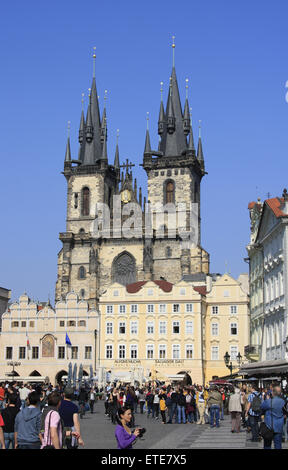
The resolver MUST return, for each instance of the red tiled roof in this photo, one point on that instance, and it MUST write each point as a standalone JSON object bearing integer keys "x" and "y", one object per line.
{"x": 39, "y": 307}
{"x": 164, "y": 285}
{"x": 253, "y": 203}
{"x": 201, "y": 289}
{"x": 136, "y": 286}
{"x": 275, "y": 203}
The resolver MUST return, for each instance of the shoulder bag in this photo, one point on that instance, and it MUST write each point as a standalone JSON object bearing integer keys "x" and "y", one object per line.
{"x": 49, "y": 446}
{"x": 266, "y": 432}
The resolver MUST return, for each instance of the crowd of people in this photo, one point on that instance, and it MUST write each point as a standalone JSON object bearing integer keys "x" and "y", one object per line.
{"x": 46, "y": 417}
{"x": 42, "y": 417}
{"x": 261, "y": 413}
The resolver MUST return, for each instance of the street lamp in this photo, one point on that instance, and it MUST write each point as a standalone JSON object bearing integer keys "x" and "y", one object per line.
{"x": 229, "y": 364}
{"x": 13, "y": 364}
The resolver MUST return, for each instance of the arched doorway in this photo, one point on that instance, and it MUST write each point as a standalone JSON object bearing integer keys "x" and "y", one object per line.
{"x": 35, "y": 373}
{"x": 59, "y": 376}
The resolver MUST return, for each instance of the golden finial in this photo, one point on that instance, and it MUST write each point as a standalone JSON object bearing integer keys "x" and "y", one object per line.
{"x": 187, "y": 80}
{"x": 105, "y": 98}
{"x": 147, "y": 118}
{"x": 173, "y": 47}
{"x": 94, "y": 60}
{"x": 89, "y": 92}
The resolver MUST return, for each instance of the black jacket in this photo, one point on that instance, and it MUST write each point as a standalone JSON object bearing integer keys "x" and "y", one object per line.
{"x": 9, "y": 415}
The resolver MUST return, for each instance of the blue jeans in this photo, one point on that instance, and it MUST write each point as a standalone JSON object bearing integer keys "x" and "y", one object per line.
{"x": 190, "y": 416}
{"x": 150, "y": 409}
{"x": 2, "y": 404}
{"x": 181, "y": 413}
{"x": 277, "y": 438}
{"x": 253, "y": 421}
{"x": 9, "y": 437}
{"x": 23, "y": 404}
{"x": 173, "y": 410}
{"x": 30, "y": 445}
{"x": 214, "y": 414}
{"x": 222, "y": 412}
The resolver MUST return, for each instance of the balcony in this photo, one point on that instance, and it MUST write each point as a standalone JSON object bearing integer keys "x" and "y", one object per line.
{"x": 252, "y": 352}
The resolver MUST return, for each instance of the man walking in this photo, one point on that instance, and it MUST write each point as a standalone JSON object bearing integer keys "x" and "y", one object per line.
{"x": 28, "y": 425}
{"x": 9, "y": 416}
{"x": 254, "y": 412}
{"x": 274, "y": 418}
{"x": 214, "y": 404}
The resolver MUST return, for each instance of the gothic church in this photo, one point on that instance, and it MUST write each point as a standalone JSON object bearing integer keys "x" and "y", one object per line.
{"x": 88, "y": 264}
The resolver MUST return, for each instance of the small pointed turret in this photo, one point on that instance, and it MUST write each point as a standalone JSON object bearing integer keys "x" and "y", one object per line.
{"x": 104, "y": 156}
{"x": 147, "y": 148}
{"x": 68, "y": 150}
{"x": 116, "y": 160}
{"x": 191, "y": 146}
{"x": 82, "y": 123}
{"x": 186, "y": 117}
{"x": 89, "y": 124}
{"x": 170, "y": 112}
{"x": 161, "y": 120}
{"x": 103, "y": 128}
{"x": 200, "y": 155}
{"x": 95, "y": 113}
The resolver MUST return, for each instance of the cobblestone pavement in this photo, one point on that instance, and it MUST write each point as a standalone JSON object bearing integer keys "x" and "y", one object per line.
{"x": 98, "y": 433}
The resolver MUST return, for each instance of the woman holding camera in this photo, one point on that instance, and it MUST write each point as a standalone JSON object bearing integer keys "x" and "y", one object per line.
{"x": 123, "y": 433}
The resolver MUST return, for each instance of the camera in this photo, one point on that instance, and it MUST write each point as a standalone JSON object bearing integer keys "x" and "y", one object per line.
{"x": 141, "y": 432}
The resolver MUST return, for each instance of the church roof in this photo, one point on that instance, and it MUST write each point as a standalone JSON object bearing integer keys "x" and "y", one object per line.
{"x": 275, "y": 205}
{"x": 136, "y": 286}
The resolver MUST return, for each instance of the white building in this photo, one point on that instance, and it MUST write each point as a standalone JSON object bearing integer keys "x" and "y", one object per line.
{"x": 268, "y": 257}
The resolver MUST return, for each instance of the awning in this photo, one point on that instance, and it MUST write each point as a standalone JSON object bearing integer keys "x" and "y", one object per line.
{"x": 265, "y": 368}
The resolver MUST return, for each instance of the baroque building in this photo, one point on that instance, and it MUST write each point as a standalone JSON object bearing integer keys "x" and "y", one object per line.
{"x": 90, "y": 261}
{"x": 268, "y": 260}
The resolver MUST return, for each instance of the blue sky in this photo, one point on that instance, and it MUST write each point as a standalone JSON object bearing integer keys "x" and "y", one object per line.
{"x": 235, "y": 56}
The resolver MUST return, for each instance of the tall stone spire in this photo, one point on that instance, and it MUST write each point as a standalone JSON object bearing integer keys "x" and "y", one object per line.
{"x": 174, "y": 141}
{"x": 95, "y": 114}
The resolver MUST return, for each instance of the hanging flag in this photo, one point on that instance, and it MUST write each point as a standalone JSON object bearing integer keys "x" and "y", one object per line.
{"x": 28, "y": 342}
{"x": 67, "y": 340}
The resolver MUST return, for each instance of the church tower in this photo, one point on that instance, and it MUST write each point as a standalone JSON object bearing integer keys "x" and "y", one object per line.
{"x": 90, "y": 179}
{"x": 174, "y": 173}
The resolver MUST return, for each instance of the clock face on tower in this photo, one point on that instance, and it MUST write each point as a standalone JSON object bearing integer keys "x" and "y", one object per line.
{"x": 125, "y": 196}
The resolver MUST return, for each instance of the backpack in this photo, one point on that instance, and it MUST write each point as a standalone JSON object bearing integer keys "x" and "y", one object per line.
{"x": 256, "y": 404}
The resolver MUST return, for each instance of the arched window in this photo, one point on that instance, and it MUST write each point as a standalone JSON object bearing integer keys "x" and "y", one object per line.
{"x": 82, "y": 272}
{"x": 124, "y": 269}
{"x": 85, "y": 201}
{"x": 82, "y": 230}
{"x": 169, "y": 192}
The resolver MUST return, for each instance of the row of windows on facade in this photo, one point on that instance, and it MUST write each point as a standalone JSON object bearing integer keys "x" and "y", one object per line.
{"x": 62, "y": 323}
{"x": 150, "y": 308}
{"x": 162, "y": 352}
{"x": 150, "y": 328}
{"x": 22, "y": 353}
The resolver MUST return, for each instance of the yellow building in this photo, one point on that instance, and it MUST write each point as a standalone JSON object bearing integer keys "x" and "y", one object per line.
{"x": 157, "y": 326}
{"x": 34, "y": 337}
{"x": 226, "y": 325}
{"x": 151, "y": 326}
